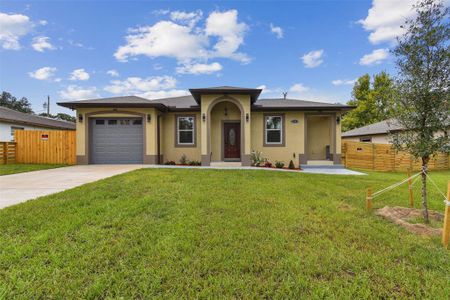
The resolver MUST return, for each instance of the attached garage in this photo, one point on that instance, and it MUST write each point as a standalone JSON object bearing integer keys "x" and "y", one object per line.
{"x": 116, "y": 140}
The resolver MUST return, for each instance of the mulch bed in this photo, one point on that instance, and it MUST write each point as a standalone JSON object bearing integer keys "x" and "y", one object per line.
{"x": 402, "y": 215}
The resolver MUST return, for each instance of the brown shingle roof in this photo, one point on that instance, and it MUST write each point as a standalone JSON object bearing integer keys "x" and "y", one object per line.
{"x": 16, "y": 117}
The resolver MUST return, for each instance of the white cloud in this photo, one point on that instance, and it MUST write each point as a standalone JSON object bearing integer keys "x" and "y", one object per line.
{"x": 180, "y": 38}
{"x": 163, "y": 94}
{"x": 75, "y": 92}
{"x": 313, "y": 59}
{"x": 374, "y": 58}
{"x": 298, "y": 88}
{"x": 384, "y": 19}
{"x": 188, "y": 18}
{"x": 343, "y": 81}
{"x": 137, "y": 85}
{"x": 12, "y": 28}
{"x": 79, "y": 74}
{"x": 230, "y": 33}
{"x": 199, "y": 68}
{"x": 41, "y": 43}
{"x": 44, "y": 73}
{"x": 278, "y": 31}
{"x": 113, "y": 73}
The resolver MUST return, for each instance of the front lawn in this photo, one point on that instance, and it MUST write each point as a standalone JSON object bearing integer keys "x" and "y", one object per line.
{"x": 165, "y": 233}
{"x": 20, "y": 168}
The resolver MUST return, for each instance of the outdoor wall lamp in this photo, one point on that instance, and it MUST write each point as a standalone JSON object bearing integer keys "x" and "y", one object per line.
{"x": 204, "y": 117}
{"x": 247, "y": 117}
{"x": 80, "y": 118}
{"x": 149, "y": 118}
{"x": 338, "y": 120}
{"x": 225, "y": 111}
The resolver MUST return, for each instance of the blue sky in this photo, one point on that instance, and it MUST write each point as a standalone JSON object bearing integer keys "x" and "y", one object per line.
{"x": 75, "y": 50}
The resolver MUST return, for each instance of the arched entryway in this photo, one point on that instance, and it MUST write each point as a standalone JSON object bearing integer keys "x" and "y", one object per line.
{"x": 225, "y": 130}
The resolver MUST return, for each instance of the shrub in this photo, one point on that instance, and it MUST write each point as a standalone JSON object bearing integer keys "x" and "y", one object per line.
{"x": 195, "y": 163}
{"x": 169, "y": 162}
{"x": 268, "y": 164}
{"x": 184, "y": 160}
{"x": 291, "y": 165}
{"x": 257, "y": 158}
{"x": 279, "y": 164}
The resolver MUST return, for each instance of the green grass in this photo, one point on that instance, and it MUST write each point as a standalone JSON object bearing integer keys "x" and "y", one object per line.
{"x": 219, "y": 234}
{"x": 20, "y": 168}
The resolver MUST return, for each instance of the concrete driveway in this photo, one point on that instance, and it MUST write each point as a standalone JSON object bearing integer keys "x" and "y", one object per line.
{"x": 17, "y": 188}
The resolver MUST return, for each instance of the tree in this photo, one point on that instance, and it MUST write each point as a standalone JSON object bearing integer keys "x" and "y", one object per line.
{"x": 9, "y": 101}
{"x": 422, "y": 106}
{"x": 372, "y": 101}
{"x": 59, "y": 116}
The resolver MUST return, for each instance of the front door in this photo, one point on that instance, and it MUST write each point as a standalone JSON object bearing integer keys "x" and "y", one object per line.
{"x": 232, "y": 141}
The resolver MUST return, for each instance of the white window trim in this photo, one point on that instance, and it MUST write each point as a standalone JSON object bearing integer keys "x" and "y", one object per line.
{"x": 267, "y": 130}
{"x": 185, "y": 130}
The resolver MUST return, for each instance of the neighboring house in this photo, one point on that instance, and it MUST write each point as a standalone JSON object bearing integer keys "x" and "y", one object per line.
{"x": 12, "y": 120}
{"x": 216, "y": 124}
{"x": 374, "y": 133}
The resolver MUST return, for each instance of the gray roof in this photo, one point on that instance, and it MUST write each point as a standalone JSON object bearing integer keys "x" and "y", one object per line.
{"x": 189, "y": 102}
{"x": 197, "y": 92}
{"x": 281, "y": 103}
{"x": 16, "y": 117}
{"x": 383, "y": 127}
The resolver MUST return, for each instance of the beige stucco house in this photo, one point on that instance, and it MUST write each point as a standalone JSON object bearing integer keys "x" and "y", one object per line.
{"x": 219, "y": 124}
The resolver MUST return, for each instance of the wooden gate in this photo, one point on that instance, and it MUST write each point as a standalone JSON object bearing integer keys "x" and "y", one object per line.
{"x": 45, "y": 147}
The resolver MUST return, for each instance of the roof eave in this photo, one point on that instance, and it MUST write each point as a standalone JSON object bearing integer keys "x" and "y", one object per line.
{"x": 75, "y": 105}
{"x": 309, "y": 108}
{"x": 254, "y": 94}
{"x": 37, "y": 124}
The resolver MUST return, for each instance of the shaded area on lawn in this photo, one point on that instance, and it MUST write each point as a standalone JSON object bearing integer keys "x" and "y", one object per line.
{"x": 8, "y": 169}
{"x": 219, "y": 233}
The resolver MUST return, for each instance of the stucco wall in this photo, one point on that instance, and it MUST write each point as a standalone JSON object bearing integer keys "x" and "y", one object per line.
{"x": 294, "y": 137}
{"x": 5, "y": 130}
{"x": 319, "y": 135}
{"x": 168, "y": 136}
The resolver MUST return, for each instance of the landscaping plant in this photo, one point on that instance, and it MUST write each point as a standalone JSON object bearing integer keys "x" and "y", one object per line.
{"x": 423, "y": 82}
{"x": 291, "y": 165}
{"x": 256, "y": 158}
{"x": 279, "y": 164}
{"x": 184, "y": 160}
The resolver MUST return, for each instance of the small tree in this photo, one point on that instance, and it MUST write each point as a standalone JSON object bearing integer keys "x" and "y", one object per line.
{"x": 422, "y": 104}
{"x": 11, "y": 102}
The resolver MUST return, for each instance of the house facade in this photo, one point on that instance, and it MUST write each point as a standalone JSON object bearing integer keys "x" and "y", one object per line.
{"x": 11, "y": 121}
{"x": 219, "y": 124}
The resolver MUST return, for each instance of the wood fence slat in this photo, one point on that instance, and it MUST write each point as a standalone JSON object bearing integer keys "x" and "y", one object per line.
{"x": 45, "y": 147}
{"x": 383, "y": 157}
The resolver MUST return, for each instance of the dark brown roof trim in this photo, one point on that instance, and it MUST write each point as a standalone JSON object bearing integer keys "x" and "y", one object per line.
{"x": 74, "y": 105}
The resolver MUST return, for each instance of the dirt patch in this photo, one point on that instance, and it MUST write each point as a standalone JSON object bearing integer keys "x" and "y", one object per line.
{"x": 402, "y": 215}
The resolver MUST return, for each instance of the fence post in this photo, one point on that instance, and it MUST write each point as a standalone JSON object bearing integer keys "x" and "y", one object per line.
{"x": 5, "y": 152}
{"x": 446, "y": 228}
{"x": 411, "y": 196}
{"x": 369, "y": 199}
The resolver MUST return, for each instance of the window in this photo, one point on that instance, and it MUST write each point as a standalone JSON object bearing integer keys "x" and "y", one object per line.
{"x": 14, "y": 128}
{"x": 273, "y": 130}
{"x": 185, "y": 131}
{"x": 112, "y": 122}
{"x": 137, "y": 122}
{"x": 366, "y": 139}
{"x": 124, "y": 122}
{"x": 99, "y": 122}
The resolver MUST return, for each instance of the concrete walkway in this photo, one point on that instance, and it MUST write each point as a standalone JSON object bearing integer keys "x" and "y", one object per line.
{"x": 17, "y": 188}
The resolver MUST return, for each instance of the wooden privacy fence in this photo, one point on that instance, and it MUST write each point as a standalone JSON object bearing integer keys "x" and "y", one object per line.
{"x": 7, "y": 152}
{"x": 383, "y": 157}
{"x": 45, "y": 147}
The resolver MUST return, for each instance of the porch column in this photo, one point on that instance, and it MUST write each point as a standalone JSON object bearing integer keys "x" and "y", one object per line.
{"x": 303, "y": 157}
{"x": 246, "y": 122}
{"x": 205, "y": 127}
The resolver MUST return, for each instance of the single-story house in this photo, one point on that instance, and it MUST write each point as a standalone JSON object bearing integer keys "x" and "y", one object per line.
{"x": 375, "y": 133}
{"x": 12, "y": 120}
{"x": 218, "y": 124}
